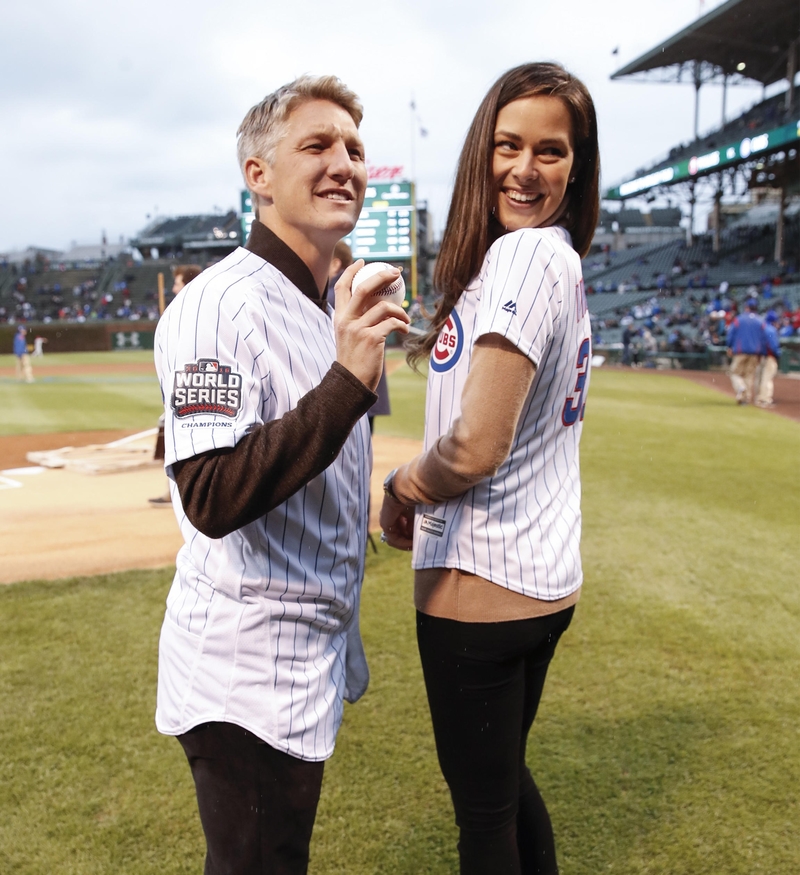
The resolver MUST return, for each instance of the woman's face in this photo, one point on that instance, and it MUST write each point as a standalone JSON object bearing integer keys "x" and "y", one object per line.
{"x": 532, "y": 161}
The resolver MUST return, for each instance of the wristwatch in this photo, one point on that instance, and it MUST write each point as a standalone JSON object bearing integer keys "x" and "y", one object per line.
{"x": 388, "y": 486}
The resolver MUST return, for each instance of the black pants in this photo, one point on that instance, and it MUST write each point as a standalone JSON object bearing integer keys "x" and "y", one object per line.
{"x": 484, "y": 682}
{"x": 257, "y": 804}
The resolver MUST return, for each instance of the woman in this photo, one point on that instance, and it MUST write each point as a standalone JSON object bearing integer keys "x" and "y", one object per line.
{"x": 496, "y": 493}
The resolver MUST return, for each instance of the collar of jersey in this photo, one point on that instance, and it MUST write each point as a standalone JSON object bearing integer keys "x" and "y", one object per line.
{"x": 267, "y": 245}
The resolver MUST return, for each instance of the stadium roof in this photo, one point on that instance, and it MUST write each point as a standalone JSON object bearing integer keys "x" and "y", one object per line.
{"x": 756, "y": 33}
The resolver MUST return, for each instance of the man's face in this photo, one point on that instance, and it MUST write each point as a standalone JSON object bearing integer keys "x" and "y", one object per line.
{"x": 315, "y": 186}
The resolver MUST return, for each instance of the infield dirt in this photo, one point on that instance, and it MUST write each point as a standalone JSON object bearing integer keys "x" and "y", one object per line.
{"x": 59, "y": 524}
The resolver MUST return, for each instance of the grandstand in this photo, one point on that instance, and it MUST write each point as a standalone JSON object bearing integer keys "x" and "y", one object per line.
{"x": 748, "y": 168}
{"x": 111, "y": 281}
{"x": 755, "y": 152}
{"x": 648, "y": 268}
{"x": 190, "y": 238}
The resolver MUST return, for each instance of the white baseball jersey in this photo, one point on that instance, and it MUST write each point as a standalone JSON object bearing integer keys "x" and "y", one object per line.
{"x": 521, "y": 528}
{"x": 261, "y": 627}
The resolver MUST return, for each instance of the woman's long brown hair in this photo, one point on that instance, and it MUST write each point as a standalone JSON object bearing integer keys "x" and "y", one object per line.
{"x": 470, "y": 230}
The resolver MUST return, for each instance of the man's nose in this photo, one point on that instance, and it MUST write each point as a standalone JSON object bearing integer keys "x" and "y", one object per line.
{"x": 341, "y": 162}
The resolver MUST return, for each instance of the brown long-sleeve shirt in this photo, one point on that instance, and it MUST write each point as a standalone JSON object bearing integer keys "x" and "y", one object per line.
{"x": 223, "y": 490}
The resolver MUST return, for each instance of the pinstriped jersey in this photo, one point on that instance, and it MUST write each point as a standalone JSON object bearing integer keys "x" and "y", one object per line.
{"x": 261, "y": 627}
{"x": 520, "y": 528}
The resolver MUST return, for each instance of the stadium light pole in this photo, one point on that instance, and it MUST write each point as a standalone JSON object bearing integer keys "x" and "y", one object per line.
{"x": 414, "y": 246}
{"x": 416, "y": 128}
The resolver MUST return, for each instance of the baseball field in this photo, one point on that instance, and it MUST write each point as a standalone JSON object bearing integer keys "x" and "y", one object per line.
{"x": 667, "y": 738}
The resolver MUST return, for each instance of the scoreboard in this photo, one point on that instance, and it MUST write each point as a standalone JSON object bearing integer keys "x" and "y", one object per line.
{"x": 247, "y": 215}
{"x": 384, "y": 229}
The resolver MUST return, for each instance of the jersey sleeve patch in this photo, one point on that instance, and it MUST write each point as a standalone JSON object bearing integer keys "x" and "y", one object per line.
{"x": 206, "y": 387}
{"x": 449, "y": 345}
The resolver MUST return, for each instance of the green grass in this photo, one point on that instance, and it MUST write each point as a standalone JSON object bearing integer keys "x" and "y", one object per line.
{"x": 407, "y": 399}
{"x": 75, "y": 401}
{"x": 87, "y": 784}
{"x": 90, "y": 401}
{"x": 59, "y": 359}
{"x": 666, "y": 743}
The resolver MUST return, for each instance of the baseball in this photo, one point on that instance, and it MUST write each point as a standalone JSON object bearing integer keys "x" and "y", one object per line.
{"x": 395, "y": 292}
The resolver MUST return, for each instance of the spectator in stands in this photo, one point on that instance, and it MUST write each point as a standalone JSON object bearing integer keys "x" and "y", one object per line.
{"x": 769, "y": 363}
{"x": 24, "y": 370}
{"x": 649, "y": 343}
{"x": 746, "y": 342}
{"x": 786, "y": 328}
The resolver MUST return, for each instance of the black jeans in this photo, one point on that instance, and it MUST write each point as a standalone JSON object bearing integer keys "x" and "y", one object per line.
{"x": 484, "y": 683}
{"x": 257, "y": 804}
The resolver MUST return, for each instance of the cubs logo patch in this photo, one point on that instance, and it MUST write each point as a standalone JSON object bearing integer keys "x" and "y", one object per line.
{"x": 449, "y": 345}
{"x": 206, "y": 386}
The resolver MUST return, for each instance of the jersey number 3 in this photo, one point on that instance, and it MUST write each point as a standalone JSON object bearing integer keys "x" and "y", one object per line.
{"x": 575, "y": 403}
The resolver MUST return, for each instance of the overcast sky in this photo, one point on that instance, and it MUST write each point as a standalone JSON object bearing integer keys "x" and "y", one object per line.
{"x": 113, "y": 113}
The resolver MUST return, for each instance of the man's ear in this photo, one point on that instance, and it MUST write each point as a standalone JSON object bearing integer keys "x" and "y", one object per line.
{"x": 258, "y": 176}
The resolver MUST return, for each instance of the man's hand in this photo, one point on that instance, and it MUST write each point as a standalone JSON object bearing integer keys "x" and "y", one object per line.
{"x": 362, "y": 326}
{"x": 397, "y": 522}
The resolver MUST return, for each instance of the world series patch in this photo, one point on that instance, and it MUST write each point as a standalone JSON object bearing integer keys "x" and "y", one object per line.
{"x": 206, "y": 386}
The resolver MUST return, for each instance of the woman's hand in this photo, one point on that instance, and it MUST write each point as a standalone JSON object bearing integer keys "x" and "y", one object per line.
{"x": 397, "y": 522}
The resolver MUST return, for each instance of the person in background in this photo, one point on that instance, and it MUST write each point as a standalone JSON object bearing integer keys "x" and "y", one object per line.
{"x": 494, "y": 500}
{"x": 20, "y": 346}
{"x": 746, "y": 342}
{"x": 769, "y": 363}
{"x": 342, "y": 259}
{"x": 627, "y": 338}
{"x": 183, "y": 274}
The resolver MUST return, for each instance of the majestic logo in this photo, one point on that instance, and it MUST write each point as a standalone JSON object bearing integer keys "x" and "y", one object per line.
{"x": 432, "y": 525}
{"x": 510, "y": 307}
{"x": 206, "y": 386}
{"x": 449, "y": 345}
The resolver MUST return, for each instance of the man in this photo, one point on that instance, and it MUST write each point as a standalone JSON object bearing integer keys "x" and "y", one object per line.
{"x": 268, "y": 450}
{"x": 769, "y": 363}
{"x": 627, "y": 337}
{"x": 342, "y": 259}
{"x": 24, "y": 370}
{"x": 745, "y": 342}
{"x": 183, "y": 274}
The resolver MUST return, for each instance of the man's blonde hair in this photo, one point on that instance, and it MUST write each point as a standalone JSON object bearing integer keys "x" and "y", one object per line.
{"x": 265, "y": 123}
